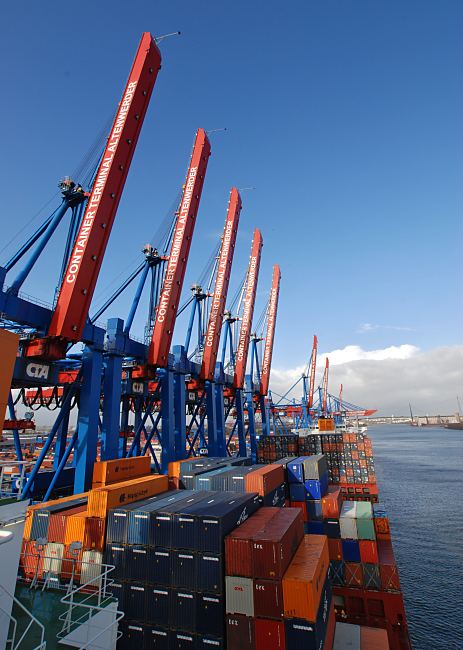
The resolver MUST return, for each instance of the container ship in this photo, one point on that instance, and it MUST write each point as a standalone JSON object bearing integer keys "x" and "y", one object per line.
{"x": 174, "y": 502}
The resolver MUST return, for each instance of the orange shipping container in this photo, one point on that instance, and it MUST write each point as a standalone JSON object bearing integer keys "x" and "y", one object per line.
{"x": 44, "y": 504}
{"x": 120, "y": 469}
{"x": 265, "y": 479}
{"x": 303, "y": 581}
{"x": 175, "y": 467}
{"x": 31, "y": 559}
{"x": 368, "y": 551}
{"x": 102, "y": 499}
{"x": 89, "y": 531}
{"x": 331, "y": 502}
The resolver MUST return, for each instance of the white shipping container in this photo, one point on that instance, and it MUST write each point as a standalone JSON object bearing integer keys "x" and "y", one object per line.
{"x": 346, "y": 636}
{"x": 349, "y": 509}
{"x": 91, "y": 568}
{"x": 348, "y": 528}
{"x": 53, "y": 558}
{"x": 239, "y": 595}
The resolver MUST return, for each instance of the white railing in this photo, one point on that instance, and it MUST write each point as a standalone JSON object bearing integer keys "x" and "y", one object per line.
{"x": 103, "y": 599}
{"x": 8, "y": 478}
{"x": 12, "y": 642}
{"x": 82, "y": 602}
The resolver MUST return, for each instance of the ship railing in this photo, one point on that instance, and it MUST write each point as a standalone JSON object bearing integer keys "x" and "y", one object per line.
{"x": 14, "y": 643}
{"x": 11, "y": 484}
{"x": 87, "y": 587}
{"x": 94, "y": 596}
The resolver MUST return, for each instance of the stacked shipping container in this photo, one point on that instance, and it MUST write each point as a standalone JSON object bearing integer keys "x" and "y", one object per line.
{"x": 167, "y": 549}
{"x": 169, "y": 567}
{"x": 263, "y": 559}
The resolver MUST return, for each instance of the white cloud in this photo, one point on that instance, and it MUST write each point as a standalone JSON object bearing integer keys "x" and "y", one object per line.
{"x": 370, "y": 327}
{"x": 356, "y": 353}
{"x": 390, "y": 378}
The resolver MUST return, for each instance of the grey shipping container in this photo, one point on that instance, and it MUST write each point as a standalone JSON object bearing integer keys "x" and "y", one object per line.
{"x": 239, "y": 595}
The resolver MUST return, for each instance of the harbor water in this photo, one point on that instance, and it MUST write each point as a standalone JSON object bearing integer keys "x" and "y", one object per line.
{"x": 420, "y": 477}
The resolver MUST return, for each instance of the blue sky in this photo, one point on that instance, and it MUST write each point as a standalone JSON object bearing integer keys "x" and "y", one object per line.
{"x": 345, "y": 116}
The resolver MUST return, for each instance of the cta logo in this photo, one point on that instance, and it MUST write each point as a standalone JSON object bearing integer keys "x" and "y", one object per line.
{"x": 37, "y": 370}
{"x": 137, "y": 387}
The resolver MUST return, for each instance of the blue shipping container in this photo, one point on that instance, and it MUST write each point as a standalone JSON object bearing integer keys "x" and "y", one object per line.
{"x": 314, "y": 509}
{"x": 350, "y": 550}
{"x": 314, "y": 528}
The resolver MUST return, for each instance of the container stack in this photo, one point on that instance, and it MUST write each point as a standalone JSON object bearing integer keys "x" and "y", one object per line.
{"x": 349, "y": 457}
{"x": 170, "y": 567}
{"x": 271, "y": 448}
{"x": 264, "y": 561}
{"x": 64, "y": 539}
{"x": 363, "y": 569}
{"x": 308, "y": 485}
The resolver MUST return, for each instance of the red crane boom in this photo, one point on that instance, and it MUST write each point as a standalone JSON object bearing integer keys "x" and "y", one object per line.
{"x": 248, "y": 310}
{"x": 313, "y": 367}
{"x": 84, "y": 264}
{"x": 270, "y": 333}
{"x": 325, "y": 385}
{"x": 222, "y": 280}
{"x": 166, "y": 310}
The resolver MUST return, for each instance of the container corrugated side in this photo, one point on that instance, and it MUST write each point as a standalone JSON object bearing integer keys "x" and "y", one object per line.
{"x": 53, "y": 558}
{"x": 100, "y": 500}
{"x": 120, "y": 469}
{"x": 265, "y": 479}
{"x": 91, "y": 568}
{"x": 304, "y": 580}
{"x": 239, "y": 595}
{"x": 240, "y": 632}
{"x": 269, "y": 635}
{"x": 238, "y": 544}
{"x": 273, "y": 550}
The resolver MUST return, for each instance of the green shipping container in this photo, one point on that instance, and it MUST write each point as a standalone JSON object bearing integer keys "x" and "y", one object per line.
{"x": 366, "y": 529}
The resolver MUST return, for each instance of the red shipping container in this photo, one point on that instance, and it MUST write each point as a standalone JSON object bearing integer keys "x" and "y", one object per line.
{"x": 240, "y": 632}
{"x": 368, "y": 551}
{"x": 268, "y": 599}
{"x": 335, "y": 549}
{"x": 264, "y": 479}
{"x": 31, "y": 559}
{"x": 330, "y": 629}
{"x": 57, "y": 523}
{"x": 353, "y": 574}
{"x": 388, "y": 567}
{"x": 269, "y": 635}
{"x": 71, "y": 565}
{"x": 331, "y": 502}
{"x": 303, "y": 507}
{"x": 273, "y": 550}
{"x": 238, "y": 544}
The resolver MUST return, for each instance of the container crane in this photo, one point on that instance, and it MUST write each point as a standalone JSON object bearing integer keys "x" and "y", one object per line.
{"x": 270, "y": 333}
{"x": 258, "y": 380}
{"x": 50, "y": 332}
{"x": 238, "y": 345}
{"x": 205, "y": 423}
{"x": 166, "y": 310}
{"x": 325, "y": 388}
{"x": 79, "y": 280}
{"x": 242, "y": 350}
{"x": 313, "y": 367}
